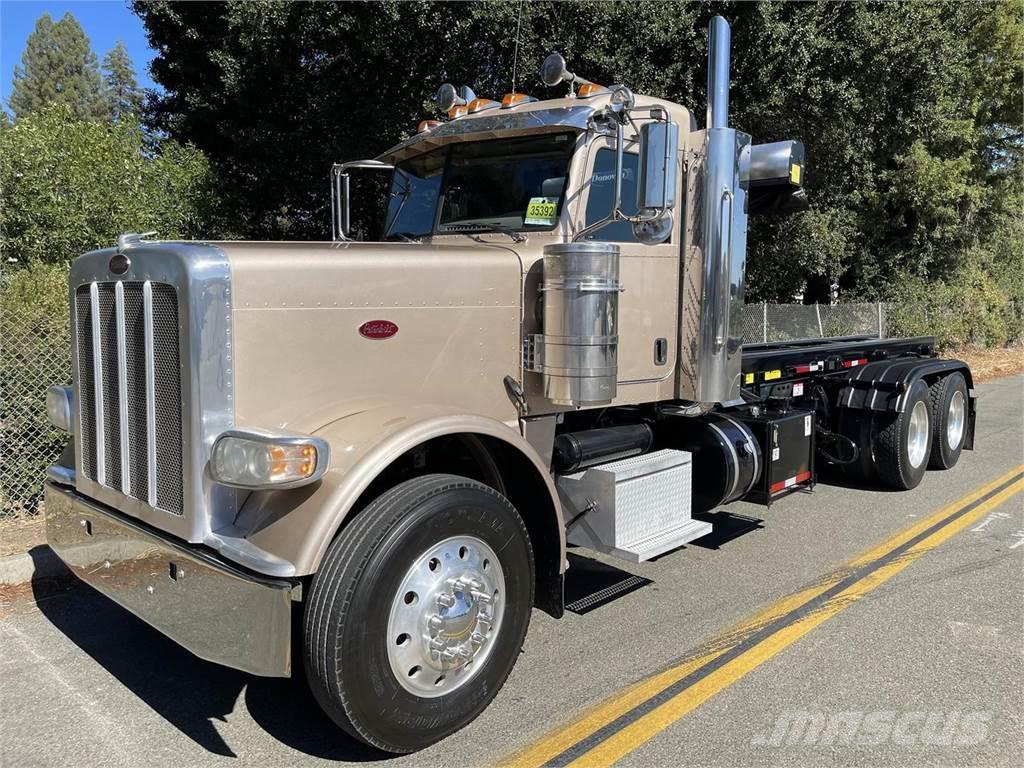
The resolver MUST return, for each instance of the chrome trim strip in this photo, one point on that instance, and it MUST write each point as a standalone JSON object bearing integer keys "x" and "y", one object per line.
{"x": 97, "y": 375}
{"x": 122, "y": 385}
{"x": 736, "y": 460}
{"x": 147, "y": 326}
{"x": 752, "y": 446}
{"x": 61, "y": 474}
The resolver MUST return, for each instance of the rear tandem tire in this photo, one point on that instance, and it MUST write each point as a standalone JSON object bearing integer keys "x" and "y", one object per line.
{"x": 902, "y": 442}
{"x": 437, "y": 563}
{"x": 949, "y": 420}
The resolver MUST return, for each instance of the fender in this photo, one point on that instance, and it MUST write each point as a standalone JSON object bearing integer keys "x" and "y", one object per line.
{"x": 299, "y": 524}
{"x": 883, "y": 385}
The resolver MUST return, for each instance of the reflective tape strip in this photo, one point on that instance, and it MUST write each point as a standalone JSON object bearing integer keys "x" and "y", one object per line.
{"x": 784, "y": 484}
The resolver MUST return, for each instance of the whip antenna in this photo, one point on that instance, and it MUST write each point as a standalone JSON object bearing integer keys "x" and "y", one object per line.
{"x": 515, "y": 51}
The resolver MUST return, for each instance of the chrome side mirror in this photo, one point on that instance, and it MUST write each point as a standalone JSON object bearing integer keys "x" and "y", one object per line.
{"x": 659, "y": 147}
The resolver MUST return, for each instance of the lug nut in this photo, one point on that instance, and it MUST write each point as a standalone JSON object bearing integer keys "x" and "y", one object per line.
{"x": 435, "y": 623}
{"x": 445, "y": 600}
{"x": 481, "y": 597}
{"x": 477, "y": 639}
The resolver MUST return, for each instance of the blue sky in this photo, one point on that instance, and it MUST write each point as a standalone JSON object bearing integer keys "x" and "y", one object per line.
{"x": 104, "y": 21}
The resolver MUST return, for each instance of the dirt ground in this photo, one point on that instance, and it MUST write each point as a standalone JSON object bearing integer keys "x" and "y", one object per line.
{"x": 989, "y": 364}
{"x": 20, "y": 534}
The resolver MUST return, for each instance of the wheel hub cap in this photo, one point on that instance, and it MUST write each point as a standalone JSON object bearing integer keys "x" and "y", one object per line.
{"x": 917, "y": 434}
{"x": 446, "y": 616}
{"x": 955, "y": 420}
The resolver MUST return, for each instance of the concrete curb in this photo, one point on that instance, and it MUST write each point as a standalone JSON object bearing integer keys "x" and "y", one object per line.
{"x": 38, "y": 563}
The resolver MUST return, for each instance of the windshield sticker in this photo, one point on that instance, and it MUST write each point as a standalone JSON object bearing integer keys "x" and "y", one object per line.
{"x": 541, "y": 211}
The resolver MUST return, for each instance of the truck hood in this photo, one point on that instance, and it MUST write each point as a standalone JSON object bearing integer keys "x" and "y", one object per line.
{"x": 323, "y": 330}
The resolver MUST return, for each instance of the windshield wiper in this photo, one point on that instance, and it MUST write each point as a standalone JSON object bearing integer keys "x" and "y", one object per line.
{"x": 406, "y": 237}
{"x": 516, "y": 235}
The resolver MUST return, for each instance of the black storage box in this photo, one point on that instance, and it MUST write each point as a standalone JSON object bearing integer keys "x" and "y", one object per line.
{"x": 787, "y": 448}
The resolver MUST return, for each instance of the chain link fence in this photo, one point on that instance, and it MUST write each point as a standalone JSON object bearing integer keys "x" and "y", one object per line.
{"x": 35, "y": 352}
{"x": 783, "y": 322}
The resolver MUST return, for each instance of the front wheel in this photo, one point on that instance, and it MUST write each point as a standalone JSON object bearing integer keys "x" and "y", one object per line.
{"x": 419, "y": 612}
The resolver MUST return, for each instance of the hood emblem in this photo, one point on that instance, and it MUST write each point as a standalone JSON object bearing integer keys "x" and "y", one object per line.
{"x": 119, "y": 264}
{"x": 378, "y": 329}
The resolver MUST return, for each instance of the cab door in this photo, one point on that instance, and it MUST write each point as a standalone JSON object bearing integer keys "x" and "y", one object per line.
{"x": 649, "y": 303}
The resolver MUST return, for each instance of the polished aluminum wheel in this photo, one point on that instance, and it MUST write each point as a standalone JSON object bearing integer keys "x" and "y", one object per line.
{"x": 917, "y": 434}
{"x": 956, "y": 419}
{"x": 446, "y": 616}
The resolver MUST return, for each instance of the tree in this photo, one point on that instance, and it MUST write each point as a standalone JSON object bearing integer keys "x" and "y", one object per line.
{"x": 68, "y": 186}
{"x": 909, "y": 111}
{"x": 58, "y": 67}
{"x": 121, "y": 90}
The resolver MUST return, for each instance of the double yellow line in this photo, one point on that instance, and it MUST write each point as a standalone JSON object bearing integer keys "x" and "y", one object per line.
{"x": 620, "y": 725}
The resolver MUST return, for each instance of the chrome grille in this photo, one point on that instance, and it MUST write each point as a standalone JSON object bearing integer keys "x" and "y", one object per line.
{"x": 129, "y": 390}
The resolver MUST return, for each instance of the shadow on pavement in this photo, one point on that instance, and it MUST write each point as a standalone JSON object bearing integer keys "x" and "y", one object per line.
{"x": 186, "y": 691}
{"x": 726, "y": 526}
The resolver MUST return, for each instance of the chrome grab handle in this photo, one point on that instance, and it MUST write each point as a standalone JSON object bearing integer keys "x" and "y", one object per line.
{"x": 725, "y": 261}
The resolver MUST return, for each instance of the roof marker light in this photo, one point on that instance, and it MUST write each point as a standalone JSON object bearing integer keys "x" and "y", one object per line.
{"x": 480, "y": 105}
{"x": 590, "y": 89}
{"x": 427, "y": 125}
{"x": 510, "y": 100}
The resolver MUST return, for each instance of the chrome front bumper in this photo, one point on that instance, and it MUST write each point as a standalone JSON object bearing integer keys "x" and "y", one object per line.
{"x": 215, "y": 610}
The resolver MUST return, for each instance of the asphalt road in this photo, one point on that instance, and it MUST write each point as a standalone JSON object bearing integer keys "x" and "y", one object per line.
{"x": 925, "y": 668}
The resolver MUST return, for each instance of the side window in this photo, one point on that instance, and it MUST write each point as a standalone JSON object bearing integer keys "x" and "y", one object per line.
{"x": 602, "y": 195}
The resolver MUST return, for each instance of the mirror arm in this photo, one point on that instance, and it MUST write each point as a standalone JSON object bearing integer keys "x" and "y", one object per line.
{"x": 340, "y": 189}
{"x": 345, "y": 215}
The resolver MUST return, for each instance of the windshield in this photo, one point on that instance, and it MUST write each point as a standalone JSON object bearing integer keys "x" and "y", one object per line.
{"x": 511, "y": 184}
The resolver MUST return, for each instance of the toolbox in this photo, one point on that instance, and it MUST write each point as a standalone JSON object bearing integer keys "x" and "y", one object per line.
{"x": 786, "y": 439}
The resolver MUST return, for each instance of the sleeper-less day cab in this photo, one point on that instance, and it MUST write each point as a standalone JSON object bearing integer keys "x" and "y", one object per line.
{"x": 374, "y": 454}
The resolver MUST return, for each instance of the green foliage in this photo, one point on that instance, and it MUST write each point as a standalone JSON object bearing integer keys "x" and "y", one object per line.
{"x": 69, "y": 186}
{"x": 121, "y": 91}
{"x": 34, "y": 353}
{"x": 58, "y": 67}
{"x": 969, "y": 308}
{"x": 911, "y": 112}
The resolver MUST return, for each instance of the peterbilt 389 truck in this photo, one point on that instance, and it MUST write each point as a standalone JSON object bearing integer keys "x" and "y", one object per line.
{"x": 368, "y": 458}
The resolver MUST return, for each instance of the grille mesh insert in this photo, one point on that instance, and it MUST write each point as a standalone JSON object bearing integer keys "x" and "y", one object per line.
{"x": 166, "y": 406}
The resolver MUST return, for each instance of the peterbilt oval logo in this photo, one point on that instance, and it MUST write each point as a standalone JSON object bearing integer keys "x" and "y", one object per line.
{"x": 378, "y": 329}
{"x": 119, "y": 264}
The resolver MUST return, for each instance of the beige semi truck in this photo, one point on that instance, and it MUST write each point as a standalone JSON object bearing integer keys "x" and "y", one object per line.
{"x": 367, "y": 458}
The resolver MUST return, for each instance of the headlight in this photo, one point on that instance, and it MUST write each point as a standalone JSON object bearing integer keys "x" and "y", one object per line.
{"x": 264, "y": 460}
{"x": 58, "y": 407}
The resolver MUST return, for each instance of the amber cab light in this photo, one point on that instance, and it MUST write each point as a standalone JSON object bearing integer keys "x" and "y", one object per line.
{"x": 459, "y": 110}
{"x": 479, "y": 105}
{"x": 515, "y": 99}
{"x": 590, "y": 89}
{"x": 427, "y": 125}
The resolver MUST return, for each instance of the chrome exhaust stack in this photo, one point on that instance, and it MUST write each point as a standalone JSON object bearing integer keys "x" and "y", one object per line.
{"x": 724, "y": 233}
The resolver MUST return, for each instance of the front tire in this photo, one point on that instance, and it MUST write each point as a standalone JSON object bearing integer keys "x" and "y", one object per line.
{"x": 419, "y": 612}
{"x": 901, "y": 446}
{"x": 948, "y": 398}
